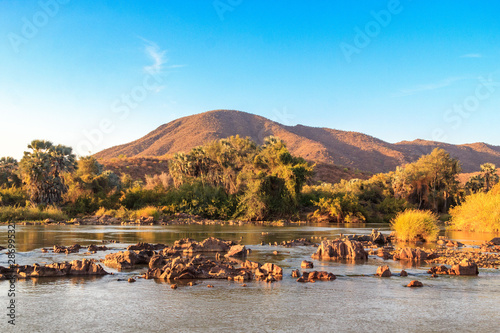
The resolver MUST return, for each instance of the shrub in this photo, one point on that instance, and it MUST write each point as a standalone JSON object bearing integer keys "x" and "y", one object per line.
{"x": 31, "y": 213}
{"x": 413, "y": 224}
{"x": 13, "y": 196}
{"x": 480, "y": 212}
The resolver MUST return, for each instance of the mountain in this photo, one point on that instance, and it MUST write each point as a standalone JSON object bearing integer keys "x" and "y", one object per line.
{"x": 347, "y": 149}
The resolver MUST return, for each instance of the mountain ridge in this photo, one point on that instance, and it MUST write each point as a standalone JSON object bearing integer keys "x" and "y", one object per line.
{"x": 320, "y": 144}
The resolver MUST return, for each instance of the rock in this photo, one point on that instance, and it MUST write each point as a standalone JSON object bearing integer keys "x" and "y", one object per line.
{"x": 251, "y": 265}
{"x": 127, "y": 259}
{"x": 237, "y": 251}
{"x": 272, "y": 269}
{"x": 306, "y": 264}
{"x": 209, "y": 286}
{"x": 438, "y": 270}
{"x": 441, "y": 242}
{"x": 75, "y": 267}
{"x": 465, "y": 267}
{"x": 410, "y": 254}
{"x": 383, "y": 253}
{"x": 244, "y": 285}
{"x": 173, "y": 286}
{"x": 70, "y": 249}
{"x": 95, "y": 248}
{"x": 131, "y": 280}
{"x": 297, "y": 242}
{"x": 338, "y": 249}
{"x": 415, "y": 283}
{"x": 275, "y": 253}
{"x": 377, "y": 237}
{"x": 295, "y": 273}
{"x": 495, "y": 241}
{"x": 146, "y": 246}
{"x": 44, "y": 250}
{"x": 403, "y": 273}
{"x": 383, "y": 271}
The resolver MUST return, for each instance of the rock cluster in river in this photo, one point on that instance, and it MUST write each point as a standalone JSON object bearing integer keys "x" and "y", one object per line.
{"x": 339, "y": 249}
{"x": 73, "y": 268}
{"x": 465, "y": 267}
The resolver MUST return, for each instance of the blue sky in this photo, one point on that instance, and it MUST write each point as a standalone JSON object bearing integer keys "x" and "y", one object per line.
{"x": 93, "y": 74}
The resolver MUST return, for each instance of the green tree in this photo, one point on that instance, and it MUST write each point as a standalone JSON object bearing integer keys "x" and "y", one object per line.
{"x": 489, "y": 174}
{"x": 8, "y": 173}
{"x": 42, "y": 171}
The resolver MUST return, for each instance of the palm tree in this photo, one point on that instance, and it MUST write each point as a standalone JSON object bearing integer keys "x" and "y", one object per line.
{"x": 489, "y": 174}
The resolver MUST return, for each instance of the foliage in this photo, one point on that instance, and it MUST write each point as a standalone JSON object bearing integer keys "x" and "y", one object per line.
{"x": 31, "y": 213}
{"x": 8, "y": 173}
{"x": 430, "y": 182}
{"x": 484, "y": 181}
{"x": 413, "y": 224}
{"x": 42, "y": 171}
{"x": 12, "y": 196}
{"x": 479, "y": 212}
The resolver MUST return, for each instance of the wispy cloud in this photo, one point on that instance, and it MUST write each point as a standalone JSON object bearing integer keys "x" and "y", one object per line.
{"x": 429, "y": 86}
{"x": 157, "y": 55}
{"x": 472, "y": 55}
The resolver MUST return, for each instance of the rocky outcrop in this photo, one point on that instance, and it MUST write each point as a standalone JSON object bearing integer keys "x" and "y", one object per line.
{"x": 127, "y": 259}
{"x": 269, "y": 273}
{"x": 297, "y": 242}
{"x": 306, "y": 264}
{"x": 338, "y": 249}
{"x": 95, "y": 248}
{"x": 415, "y": 284}
{"x": 146, "y": 246}
{"x": 465, "y": 267}
{"x": 70, "y": 249}
{"x": 237, "y": 251}
{"x": 190, "y": 246}
{"x": 315, "y": 276}
{"x": 411, "y": 254}
{"x": 83, "y": 267}
{"x": 383, "y": 271}
{"x": 195, "y": 268}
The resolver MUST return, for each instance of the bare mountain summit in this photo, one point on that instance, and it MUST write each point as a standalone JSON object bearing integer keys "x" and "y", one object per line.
{"x": 348, "y": 149}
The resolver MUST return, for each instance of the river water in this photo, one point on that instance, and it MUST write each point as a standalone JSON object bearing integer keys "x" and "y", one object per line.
{"x": 356, "y": 301}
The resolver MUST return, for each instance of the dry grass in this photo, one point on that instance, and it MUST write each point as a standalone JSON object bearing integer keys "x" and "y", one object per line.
{"x": 480, "y": 212}
{"x": 31, "y": 213}
{"x": 413, "y": 224}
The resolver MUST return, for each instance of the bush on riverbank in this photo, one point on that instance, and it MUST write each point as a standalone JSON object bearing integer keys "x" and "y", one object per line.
{"x": 480, "y": 212}
{"x": 413, "y": 224}
{"x": 31, "y": 213}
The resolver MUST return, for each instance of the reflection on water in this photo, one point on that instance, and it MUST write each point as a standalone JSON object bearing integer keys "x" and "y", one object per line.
{"x": 355, "y": 301}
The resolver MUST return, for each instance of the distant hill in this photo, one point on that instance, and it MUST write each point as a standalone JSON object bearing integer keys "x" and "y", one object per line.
{"x": 329, "y": 146}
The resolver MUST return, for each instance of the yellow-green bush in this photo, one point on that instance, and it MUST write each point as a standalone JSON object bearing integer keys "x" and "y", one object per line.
{"x": 31, "y": 213}
{"x": 413, "y": 224}
{"x": 480, "y": 212}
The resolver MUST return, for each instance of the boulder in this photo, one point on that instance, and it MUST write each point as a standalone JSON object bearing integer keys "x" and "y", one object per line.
{"x": 75, "y": 267}
{"x": 465, "y": 267}
{"x": 70, "y": 249}
{"x": 295, "y": 273}
{"x": 403, "y": 273}
{"x": 252, "y": 265}
{"x": 410, "y": 254}
{"x": 377, "y": 237}
{"x": 237, "y": 251}
{"x": 495, "y": 241}
{"x": 146, "y": 246}
{"x": 127, "y": 259}
{"x": 415, "y": 283}
{"x": 95, "y": 248}
{"x": 383, "y": 271}
{"x": 338, "y": 249}
{"x": 306, "y": 264}
{"x": 272, "y": 269}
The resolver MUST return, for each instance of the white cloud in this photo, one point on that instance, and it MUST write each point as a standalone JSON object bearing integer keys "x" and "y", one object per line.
{"x": 157, "y": 55}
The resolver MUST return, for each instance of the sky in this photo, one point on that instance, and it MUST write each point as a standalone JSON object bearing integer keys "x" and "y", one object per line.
{"x": 94, "y": 74}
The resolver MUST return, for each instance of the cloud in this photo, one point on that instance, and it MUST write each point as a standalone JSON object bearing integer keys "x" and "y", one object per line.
{"x": 157, "y": 55}
{"x": 430, "y": 86}
{"x": 472, "y": 55}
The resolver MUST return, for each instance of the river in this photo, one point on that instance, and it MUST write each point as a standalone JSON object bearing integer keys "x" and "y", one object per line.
{"x": 356, "y": 301}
